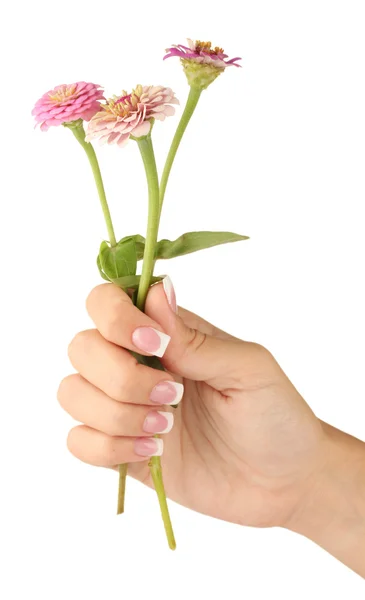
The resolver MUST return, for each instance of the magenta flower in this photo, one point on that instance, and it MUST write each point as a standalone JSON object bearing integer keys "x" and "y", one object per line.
{"x": 67, "y": 103}
{"x": 202, "y": 63}
{"x": 131, "y": 114}
{"x": 202, "y": 52}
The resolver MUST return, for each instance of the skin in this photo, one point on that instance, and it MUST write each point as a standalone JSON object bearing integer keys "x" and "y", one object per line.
{"x": 245, "y": 446}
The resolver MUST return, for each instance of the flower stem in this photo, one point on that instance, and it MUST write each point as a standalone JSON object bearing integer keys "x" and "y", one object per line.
{"x": 191, "y": 103}
{"x": 77, "y": 128}
{"x": 121, "y": 488}
{"x": 148, "y": 157}
{"x": 79, "y": 133}
{"x": 156, "y": 474}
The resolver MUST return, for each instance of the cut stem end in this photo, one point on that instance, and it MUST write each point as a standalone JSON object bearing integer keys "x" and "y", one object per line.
{"x": 121, "y": 491}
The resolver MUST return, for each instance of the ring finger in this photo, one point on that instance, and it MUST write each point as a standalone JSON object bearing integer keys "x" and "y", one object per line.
{"x": 88, "y": 404}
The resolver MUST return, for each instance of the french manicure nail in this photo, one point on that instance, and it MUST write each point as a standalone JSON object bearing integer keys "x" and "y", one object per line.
{"x": 170, "y": 293}
{"x": 158, "y": 421}
{"x": 148, "y": 446}
{"x": 167, "y": 392}
{"x": 150, "y": 340}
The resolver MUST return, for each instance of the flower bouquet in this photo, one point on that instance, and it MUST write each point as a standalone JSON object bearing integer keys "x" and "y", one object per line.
{"x": 132, "y": 116}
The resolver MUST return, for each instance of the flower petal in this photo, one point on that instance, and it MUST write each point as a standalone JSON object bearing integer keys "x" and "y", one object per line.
{"x": 123, "y": 140}
{"x": 142, "y": 129}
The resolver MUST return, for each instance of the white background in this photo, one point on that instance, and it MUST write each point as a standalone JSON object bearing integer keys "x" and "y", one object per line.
{"x": 275, "y": 151}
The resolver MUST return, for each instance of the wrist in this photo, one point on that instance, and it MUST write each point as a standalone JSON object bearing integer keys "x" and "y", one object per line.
{"x": 332, "y": 512}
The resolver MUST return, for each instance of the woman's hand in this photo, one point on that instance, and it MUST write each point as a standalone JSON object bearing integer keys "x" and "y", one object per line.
{"x": 244, "y": 446}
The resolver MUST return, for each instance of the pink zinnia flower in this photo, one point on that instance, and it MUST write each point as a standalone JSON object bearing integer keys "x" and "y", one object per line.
{"x": 202, "y": 52}
{"x": 202, "y": 63}
{"x": 67, "y": 103}
{"x": 131, "y": 114}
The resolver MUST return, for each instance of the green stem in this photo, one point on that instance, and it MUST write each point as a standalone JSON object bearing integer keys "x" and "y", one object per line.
{"x": 156, "y": 474}
{"x": 191, "y": 103}
{"x": 77, "y": 129}
{"x": 79, "y": 133}
{"x": 148, "y": 157}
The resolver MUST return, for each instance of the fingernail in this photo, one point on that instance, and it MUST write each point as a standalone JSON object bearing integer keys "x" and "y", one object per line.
{"x": 150, "y": 340}
{"x": 167, "y": 392}
{"x": 170, "y": 293}
{"x": 158, "y": 421}
{"x": 148, "y": 447}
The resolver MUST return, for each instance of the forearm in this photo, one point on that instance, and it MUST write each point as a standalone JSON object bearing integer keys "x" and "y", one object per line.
{"x": 333, "y": 513}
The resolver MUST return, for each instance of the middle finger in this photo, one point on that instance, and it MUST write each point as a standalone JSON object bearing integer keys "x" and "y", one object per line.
{"x": 118, "y": 374}
{"x": 88, "y": 405}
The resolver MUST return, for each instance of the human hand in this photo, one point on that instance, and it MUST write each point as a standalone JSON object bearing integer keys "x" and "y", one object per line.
{"x": 245, "y": 446}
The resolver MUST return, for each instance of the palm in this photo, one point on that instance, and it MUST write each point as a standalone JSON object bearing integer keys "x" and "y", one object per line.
{"x": 237, "y": 455}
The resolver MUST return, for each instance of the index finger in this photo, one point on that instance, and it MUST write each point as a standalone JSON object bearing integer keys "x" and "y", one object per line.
{"x": 122, "y": 323}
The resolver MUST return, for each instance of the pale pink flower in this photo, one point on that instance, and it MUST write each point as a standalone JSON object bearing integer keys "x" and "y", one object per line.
{"x": 202, "y": 52}
{"x": 131, "y": 114}
{"x": 67, "y": 102}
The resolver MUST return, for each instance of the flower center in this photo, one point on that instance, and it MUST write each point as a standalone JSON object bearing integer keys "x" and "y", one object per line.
{"x": 207, "y": 47}
{"x": 125, "y": 104}
{"x": 64, "y": 92}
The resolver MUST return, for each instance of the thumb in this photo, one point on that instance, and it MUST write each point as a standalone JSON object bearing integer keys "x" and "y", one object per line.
{"x": 197, "y": 349}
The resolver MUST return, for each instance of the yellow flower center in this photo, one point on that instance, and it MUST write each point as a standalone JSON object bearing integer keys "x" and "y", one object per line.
{"x": 63, "y": 93}
{"x": 121, "y": 106}
{"x": 207, "y": 47}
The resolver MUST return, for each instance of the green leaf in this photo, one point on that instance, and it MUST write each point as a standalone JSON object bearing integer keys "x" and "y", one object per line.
{"x": 132, "y": 281}
{"x": 149, "y": 361}
{"x": 98, "y": 262}
{"x": 194, "y": 241}
{"x": 119, "y": 261}
{"x": 140, "y": 244}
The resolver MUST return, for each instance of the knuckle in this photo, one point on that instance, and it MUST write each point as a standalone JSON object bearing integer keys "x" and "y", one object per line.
{"x": 195, "y": 340}
{"x": 72, "y": 441}
{"x": 94, "y": 296}
{"x": 74, "y": 345}
{"x": 78, "y": 344}
{"x": 263, "y": 365}
{"x": 262, "y": 353}
{"x": 65, "y": 388}
{"x": 260, "y": 356}
{"x": 94, "y": 450}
